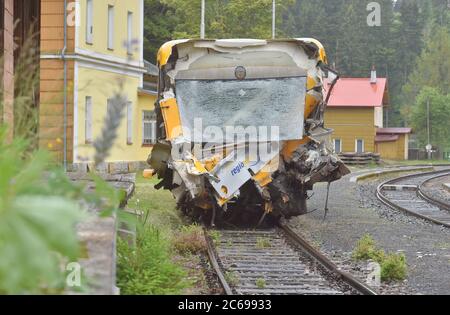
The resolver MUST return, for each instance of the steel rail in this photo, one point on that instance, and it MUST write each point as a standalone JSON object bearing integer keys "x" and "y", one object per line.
{"x": 303, "y": 246}
{"x": 212, "y": 255}
{"x": 427, "y": 197}
{"x": 386, "y": 201}
{"x": 316, "y": 255}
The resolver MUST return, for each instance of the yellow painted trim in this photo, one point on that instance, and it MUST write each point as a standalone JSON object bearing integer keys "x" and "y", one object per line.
{"x": 322, "y": 53}
{"x": 172, "y": 119}
{"x": 165, "y": 51}
{"x": 291, "y": 146}
{"x": 311, "y": 83}
{"x": 263, "y": 178}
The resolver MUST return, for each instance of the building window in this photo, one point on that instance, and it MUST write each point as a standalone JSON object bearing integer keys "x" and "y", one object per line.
{"x": 338, "y": 145}
{"x": 89, "y": 21}
{"x": 88, "y": 120}
{"x": 110, "y": 27}
{"x": 359, "y": 146}
{"x": 129, "y": 123}
{"x": 149, "y": 126}
{"x": 130, "y": 33}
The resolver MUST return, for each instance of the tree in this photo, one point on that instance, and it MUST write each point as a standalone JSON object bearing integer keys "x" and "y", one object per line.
{"x": 159, "y": 24}
{"x": 439, "y": 104}
{"x": 432, "y": 68}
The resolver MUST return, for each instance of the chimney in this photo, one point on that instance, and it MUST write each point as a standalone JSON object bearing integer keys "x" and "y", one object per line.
{"x": 373, "y": 76}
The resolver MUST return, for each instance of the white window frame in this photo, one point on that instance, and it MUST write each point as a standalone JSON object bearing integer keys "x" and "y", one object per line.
{"x": 130, "y": 33}
{"x": 110, "y": 27}
{"x": 90, "y": 21}
{"x": 334, "y": 145}
{"x": 129, "y": 123}
{"x": 363, "y": 145}
{"x": 152, "y": 122}
{"x": 89, "y": 138}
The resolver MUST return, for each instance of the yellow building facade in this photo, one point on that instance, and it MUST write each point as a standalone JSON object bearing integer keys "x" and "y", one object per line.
{"x": 103, "y": 56}
{"x": 351, "y": 125}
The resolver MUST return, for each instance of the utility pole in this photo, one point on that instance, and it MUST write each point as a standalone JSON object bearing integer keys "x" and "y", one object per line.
{"x": 274, "y": 19}
{"x": 202, "y": 25}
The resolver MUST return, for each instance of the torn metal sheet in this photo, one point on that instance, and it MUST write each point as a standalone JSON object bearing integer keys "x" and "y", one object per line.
{"x": 241, "y": 135}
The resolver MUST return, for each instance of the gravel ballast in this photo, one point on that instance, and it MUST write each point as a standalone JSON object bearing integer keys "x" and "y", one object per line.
{"x": 355, "y": 211}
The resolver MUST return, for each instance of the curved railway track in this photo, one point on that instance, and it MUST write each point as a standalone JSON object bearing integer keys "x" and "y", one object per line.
{"x": 407, "y": 194}
{"x": 276, "y": 262}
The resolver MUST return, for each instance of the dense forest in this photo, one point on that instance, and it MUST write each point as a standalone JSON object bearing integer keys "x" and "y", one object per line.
{"x": 411, "y": 45}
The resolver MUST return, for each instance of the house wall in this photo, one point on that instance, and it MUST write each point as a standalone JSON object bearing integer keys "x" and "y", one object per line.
{"x": 394, "y": 150}
{"x": 100, "y": 86}
{"x": 92, "y": 70}
{"x": 350, "y": 124}
{"x": 100, "y": 30}
{"x": 51, "y": 108}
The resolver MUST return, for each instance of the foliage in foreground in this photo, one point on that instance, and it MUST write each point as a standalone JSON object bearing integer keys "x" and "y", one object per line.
{"x": 37, "y": 221}
{"x": 190, "y": 240}
{"x": 393, "y": 266}
{"x": 147, "y": 269}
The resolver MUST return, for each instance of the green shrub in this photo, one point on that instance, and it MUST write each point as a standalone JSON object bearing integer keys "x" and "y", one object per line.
{"x": 366, "y": 250}
{"x": 190, "y": 240}
{"x": 147, "y": 269}
{"x": 38, "y": 214}
{"x": 394, "y": 267}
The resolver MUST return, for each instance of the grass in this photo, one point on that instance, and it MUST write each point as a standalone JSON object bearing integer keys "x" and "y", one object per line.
{"x": 164, "y": 261}
{"x": 393, "y": 266}
{"x": 190, "y": 240}
{"x": 260, "y": 283}
{"x": 215, "y": 236}
{"x": 418, "y": 162}
{"x": 231, "y": 278}
{"x": 147, "y": 269}
{"x": 262, "y": 243}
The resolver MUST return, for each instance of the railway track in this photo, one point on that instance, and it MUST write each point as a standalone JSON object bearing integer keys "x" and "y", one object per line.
{"x": 407, "y": 194}
{"x": 276, "y": 262}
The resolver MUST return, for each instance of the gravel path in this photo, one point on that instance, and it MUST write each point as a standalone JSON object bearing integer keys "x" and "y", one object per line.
{"x": 355, "y": 211}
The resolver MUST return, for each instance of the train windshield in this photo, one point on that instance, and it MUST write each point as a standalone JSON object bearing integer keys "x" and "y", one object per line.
{"x": 208, "y": 106}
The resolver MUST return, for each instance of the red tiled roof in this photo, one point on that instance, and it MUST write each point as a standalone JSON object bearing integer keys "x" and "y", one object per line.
{"x": 357, "y": 92}
{"x": 386, "y": 138}
{"x": 393, "y": 131}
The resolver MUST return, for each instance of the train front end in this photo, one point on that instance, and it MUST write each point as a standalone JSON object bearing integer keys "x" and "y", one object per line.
{"x": 240, "y": 126}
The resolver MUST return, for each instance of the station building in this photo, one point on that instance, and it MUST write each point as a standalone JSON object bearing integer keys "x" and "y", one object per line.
{"x": 88, "y": 50}
{"x": 355, "y": 112}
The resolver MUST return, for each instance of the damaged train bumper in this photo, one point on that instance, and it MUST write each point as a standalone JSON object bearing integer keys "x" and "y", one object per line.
{"x": 250, "y": 176}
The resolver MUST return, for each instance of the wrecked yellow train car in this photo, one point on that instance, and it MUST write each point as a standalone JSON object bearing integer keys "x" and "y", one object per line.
{"x": 241, "y": 136}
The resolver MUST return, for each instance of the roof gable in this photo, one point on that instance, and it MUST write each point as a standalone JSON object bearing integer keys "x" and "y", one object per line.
{"x": 358, "y": 92}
